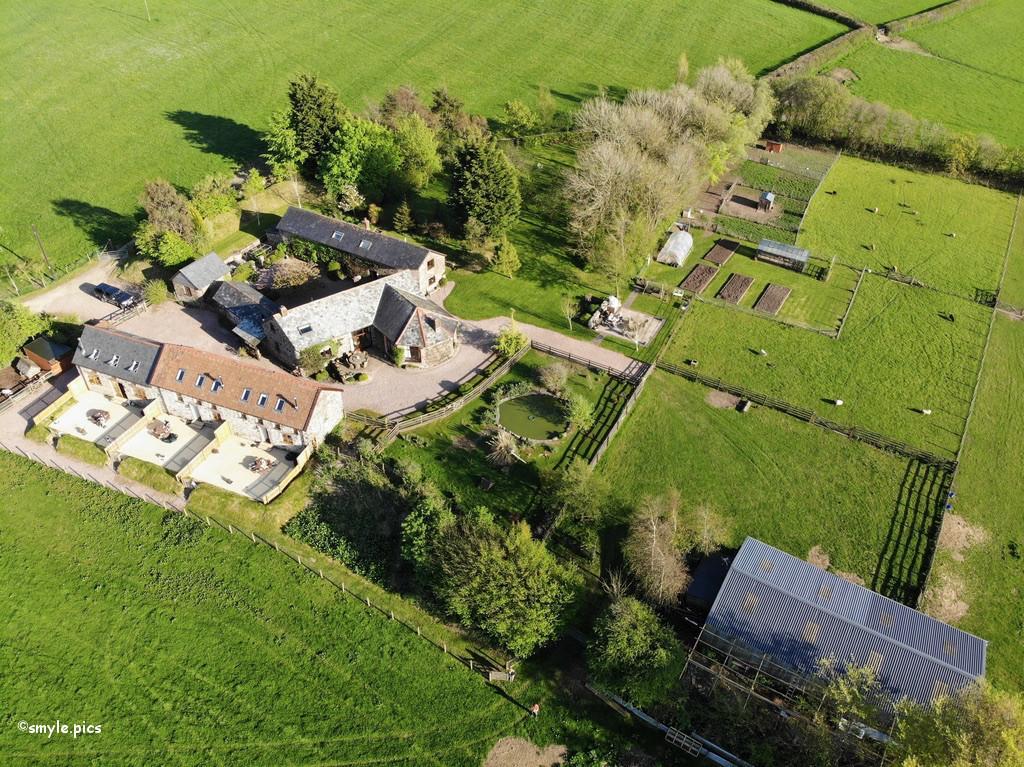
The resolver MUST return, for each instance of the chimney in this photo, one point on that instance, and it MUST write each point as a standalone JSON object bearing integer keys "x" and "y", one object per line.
{"x": 366, "y": 223}
{"x": 282, "y": 311}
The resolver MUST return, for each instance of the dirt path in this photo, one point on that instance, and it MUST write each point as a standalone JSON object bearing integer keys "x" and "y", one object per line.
{"x": 516, "y": 752}
{"x": 73, "y": 296}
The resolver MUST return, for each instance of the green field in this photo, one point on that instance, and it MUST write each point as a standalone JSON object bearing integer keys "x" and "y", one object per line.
{"x": 789, "y": 483}
{"x": 916, "y": 214}
{"x": 990, "y": 486}
{"x": 880, "y": 11}
{"x": 938, "y": 89}
{"x": 896, "y": 356}
{"x": 189, "y": 646}
{"x": 97, "y": 99}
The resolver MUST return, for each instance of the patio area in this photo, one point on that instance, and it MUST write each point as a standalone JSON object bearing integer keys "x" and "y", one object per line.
{"x": 234, "y": 468}
{"x": 154, "y": 445}
{"x": 95, "y": 418}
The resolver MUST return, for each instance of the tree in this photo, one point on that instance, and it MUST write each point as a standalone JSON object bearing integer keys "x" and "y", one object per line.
{"x": 283, "y": 155}
{"x": 172, "y": 250}
{"x": 17, "y": 325}
{"x": 429, "y": 514}
{"x": 814, "y": 106}
{"x": 213, "y": 195}
{"x": 155, "y": 292}
{"x": 580, "y": 493}
{"x": 633, "y": 653}
{"x": 547, "y": 107}
{"x": 312, "y": 360}
{"x": 569, "y": 306}
{"x": 402, "y": 221}
{"x": 503, "y": 448}
{"x": 349, "y": 198}
{"x": 315, "y": 115}
{"x": 579, "y": 411}
{"x": 506, "y": 258}
{"x": 418, "y": 148}
{"x": 291, "y": 273}
{"x": 254, "y": 184}
{"x": 360, "y": 153}
{"x": 510, "y": 340}
{"x": 703, "y": 530}
{"x": 454, "y": 125}
{"x": 519, "y": 119}
{"x": 403, "y": 102}
{"x": 650, "y": 549}
{"x": 553, "y": 377}
{"x": 503, "y": 582}
{"x": 167, "y": 210}
{"x": 485, "y": 186}
{"x": 961, "y": 153}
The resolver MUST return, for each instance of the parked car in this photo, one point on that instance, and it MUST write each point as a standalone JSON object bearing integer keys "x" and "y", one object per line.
{"x": 122, "y": 299}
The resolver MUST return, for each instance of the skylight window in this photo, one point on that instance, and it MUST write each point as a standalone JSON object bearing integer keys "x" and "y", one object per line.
{"x": 200, "y": 380}
{"x": 217, "y": 385}
{"x": 134, "y": 366}
{"x": 114, "y": 360}
{"x": 365, "y": 245}
{"x": 262, "y": 401}
{"x": 305, "y": 329}
{"x": 338, "y": 235}
{"x": 181, "y": 375}
{"x": 95, "y": 353}
{"x": 245, "y": 394}
{"x": 279, "y": 405}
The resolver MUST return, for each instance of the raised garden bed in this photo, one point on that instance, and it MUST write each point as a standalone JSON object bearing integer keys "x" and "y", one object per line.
{"x": 735, "y": 288}
{"x": 772, "y": 299}
{"x": 722, "y": 252}
{"x": 699, "y": 278}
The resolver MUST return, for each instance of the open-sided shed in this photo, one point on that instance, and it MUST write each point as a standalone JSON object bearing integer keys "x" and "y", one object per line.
{"x": 789, "y": 256}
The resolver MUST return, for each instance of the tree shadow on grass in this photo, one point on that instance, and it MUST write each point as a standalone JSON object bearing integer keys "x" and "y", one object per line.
{"x": 221, "y": 136}
{"x": 101, "y": 225}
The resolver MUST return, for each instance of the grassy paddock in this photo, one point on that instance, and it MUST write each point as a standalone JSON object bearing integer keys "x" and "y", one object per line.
{"x": 896, "y": 356}
{"x": 81, "y": 449}
{"x": 990, "y": 577}
{"x": 187, "y": 644}
{"x": 197, "y": 119}
{"x": 150, "y": 475}
{"x": 880, "y": 11}
{"x": 840, "y": 223}
{"x": 792, "y": 484}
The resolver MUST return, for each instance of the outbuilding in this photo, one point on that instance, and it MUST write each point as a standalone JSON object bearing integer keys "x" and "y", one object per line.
{"x": 677, "y": 248}
{"x": 194, "y": 279}
{"x": 781, "y": 254}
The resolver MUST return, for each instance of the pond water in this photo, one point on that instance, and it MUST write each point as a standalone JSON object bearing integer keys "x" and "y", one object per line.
{"x": 533, "y": 416}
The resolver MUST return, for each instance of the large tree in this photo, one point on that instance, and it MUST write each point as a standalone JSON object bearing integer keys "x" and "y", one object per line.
{"x": 167, "y": 210}
{"x": 485, "y": 186}
{"x": 361, "y": 153}
{"x": 502, "y": 582}
{"x": 418, "y": 149}
{"x": 284, "y": 155}
{"x": 315, "y": 114}
{"x": 651, "y": 551}
{"x": 17, "y": 325}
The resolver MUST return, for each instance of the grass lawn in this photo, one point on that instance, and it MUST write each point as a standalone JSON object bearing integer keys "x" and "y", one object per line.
{"x": 880, "y": 11}
{"x": 840, "y": 223}
{"x": 189, "y": 646}
{"x": 1013, "y": 283}
{"x": 453, "y": 451}
{"x": 789, "y": 483}
{"x": 76, "y": 171}
{"x": 934, "y": 88}
{"x": 81, "y": 449}
{"x": 149, "y": 474}
{"x": 990, "y": 577}
{"x": 896, "y": 355}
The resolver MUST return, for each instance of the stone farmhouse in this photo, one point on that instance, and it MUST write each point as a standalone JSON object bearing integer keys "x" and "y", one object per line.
{"x": 384, "y": 304}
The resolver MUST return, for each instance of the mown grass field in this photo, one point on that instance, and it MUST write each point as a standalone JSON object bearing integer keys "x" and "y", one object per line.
{"x": 939, "y": 89}
{"x": 896, "y": 357}
{"x": 990, "y": 577}
{"x": 916, "y": 214}
{"x": 97, "y": 99}
{"x": 879, "y": 11}
{"x": 789, "y": 483}
{"x": 188, "y": 646}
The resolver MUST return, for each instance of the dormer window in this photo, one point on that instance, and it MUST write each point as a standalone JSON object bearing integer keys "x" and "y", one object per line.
{"x": 217, "y": 385}
{"x": 200, "y": 380}
{"x": 338, "y": 235}
{"x": 181, "y": 375}
{"x": 134, "y": 366}
{"x": 246, "y": 393}
{"x": 94, "y": 354}
{"x": 262, "y": 401}
{"x": 365, "y": 245}
{"x": 114, "y": 360}
{"x": 279, "y": 405}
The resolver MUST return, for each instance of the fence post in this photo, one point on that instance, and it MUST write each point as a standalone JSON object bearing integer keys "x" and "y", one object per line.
{"x": 392, "y": 615}
{"x": 321, "y": 573}
{"x": 253, "y": 537}
{"x": 208, "y": 522}
{"x": 230, "y": 528}
{"x": 368, "y": 602}
{"x": 278, "y": 548}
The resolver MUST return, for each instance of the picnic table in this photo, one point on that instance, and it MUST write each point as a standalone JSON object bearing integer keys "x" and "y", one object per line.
{"x": 159, "y": 429}
{"x": 261, "y": 465}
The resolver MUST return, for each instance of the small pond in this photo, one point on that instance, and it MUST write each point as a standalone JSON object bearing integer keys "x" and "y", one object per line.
{"x": 533, "y": 416}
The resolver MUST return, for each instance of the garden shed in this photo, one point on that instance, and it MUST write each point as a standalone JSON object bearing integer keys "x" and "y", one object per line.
{"x": 194, "y": 279}
{"x": 781, "y": 254}
{"x": 676, "y": 249}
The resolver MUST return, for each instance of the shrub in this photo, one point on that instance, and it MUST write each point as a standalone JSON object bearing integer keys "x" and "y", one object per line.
{"x": 510, "y": 341}
{"x": 579, "y": 411}
{"x": 244, "y": 272}
{"x": 398, "y": 356}
{"x": 553, "y": 377}
{"x": 312, "y": 360}
{"x": 81, "y": 449}
{"x": 361, "y": 377}
{"x": 155, "y": 292}
{"x": 291, "y": 274}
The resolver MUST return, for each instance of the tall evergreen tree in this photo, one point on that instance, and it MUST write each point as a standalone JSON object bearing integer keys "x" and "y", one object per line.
{"x": 315, "y": 114}
{"x": 485, "y": 186}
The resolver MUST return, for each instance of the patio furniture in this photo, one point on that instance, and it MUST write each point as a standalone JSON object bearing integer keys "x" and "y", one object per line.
{"x": 261, "y": 465}
{"x": 99, "y": 417}
{"x": 159, "y": 429}
{"x": 169, "y": 438}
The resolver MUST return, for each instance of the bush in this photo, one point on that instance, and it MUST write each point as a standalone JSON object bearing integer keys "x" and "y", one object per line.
{"x": 398, "y": 356}
{"x": 149, "y": 474}
{"x": 510, "y": 341}
{"x": 82, "y": 450}
{"x": 362, "y": 377}
{"x": 579, "y": 411}
{"x": 244, "y": 272}
{"x": 155, "y": 292}
{"x": 553, "y": 377}
{"x": 312, "y": 360}
{"x": 323, "y": 375}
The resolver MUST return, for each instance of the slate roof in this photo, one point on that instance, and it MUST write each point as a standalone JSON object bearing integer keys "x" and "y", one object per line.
{"x": 223, "y": 381}
{"x": 202, "y": 272}
{"x": 356, "y": 241}
{"x": 46, "y": 348}
{"x": 410, "y": 320}
{"x": 245, "y": 305}
{"x": 783, "y": 250}
{"x": 337, "y": 315}
{"x": 116, "y": 353}
{"x": 798, "y": 614}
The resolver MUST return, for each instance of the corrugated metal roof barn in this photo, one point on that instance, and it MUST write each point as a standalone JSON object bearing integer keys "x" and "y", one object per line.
{"x": 798, "y": 614}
